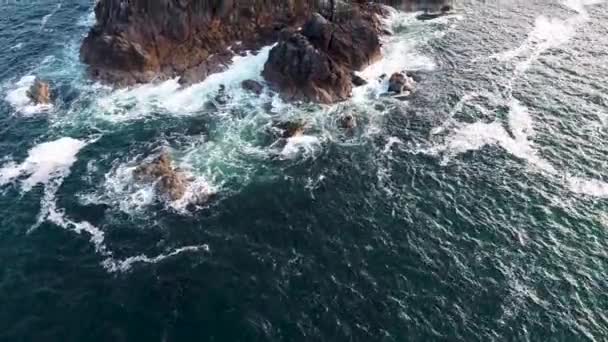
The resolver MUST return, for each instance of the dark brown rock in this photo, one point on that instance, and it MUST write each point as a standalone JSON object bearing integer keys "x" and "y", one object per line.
{"x": 399, "y": 83}
{"x": 136, "y": 41}
{"x": 317, "y": 63}
{"x": 299, "y": 71}
{"x": 40, "y": 92}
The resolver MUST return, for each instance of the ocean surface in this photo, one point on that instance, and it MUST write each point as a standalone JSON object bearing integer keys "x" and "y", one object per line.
{"x": 475, "y": 211}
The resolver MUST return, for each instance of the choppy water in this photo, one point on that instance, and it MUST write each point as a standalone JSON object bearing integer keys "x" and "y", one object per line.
{"x": 476, "y": 211}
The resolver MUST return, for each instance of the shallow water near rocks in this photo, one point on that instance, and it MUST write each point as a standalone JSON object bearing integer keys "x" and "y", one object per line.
{"x": 474, "y": 211}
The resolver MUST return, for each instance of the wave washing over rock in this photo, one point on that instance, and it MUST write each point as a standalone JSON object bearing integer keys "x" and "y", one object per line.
{"x": 188, "y": 170}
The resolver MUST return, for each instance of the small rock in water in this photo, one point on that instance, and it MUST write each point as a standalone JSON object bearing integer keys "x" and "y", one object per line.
{"x": 400, "y": 83}
{"x": 348, "y": 121}
{"x": 252, "y": 86}
{"x": 171, "y": 181}
{"x": 40, "y": 92}
{"x": 221, "y": 97}
{"x": 358, "y": 80}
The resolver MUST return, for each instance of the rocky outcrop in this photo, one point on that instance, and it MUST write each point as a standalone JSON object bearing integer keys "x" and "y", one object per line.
{"x": 39, "y": 92}
{"x": 170, "y": 182}
{"x": 317, "y": 63}
{"x": 400, "y": 83}
{"x": 137, "y": 41}
{"x": 299, "y": 71}
{"x": 141, "y": 40}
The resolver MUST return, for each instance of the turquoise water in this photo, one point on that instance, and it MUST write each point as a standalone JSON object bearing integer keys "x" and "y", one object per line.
{"x": 475, "y": 211}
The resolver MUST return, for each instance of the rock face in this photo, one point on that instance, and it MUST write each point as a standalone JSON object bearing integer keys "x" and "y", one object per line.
{"x": 138, "y": 41}
{"x": 141, "y": 40}
{"x": 40, "y": 92}
{"x": 170, "y": 182}
{"x": 317, "y": 63}
{"x": 301, "y": 72}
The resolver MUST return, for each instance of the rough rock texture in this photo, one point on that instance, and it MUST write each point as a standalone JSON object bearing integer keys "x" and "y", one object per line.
{"x": 252, "y": 86}
{"x": 317, "y": 63}
{"x": 40, "y": 92}
{"x": 136, "y": 41}
{"x": 140, "y": 40}
{"x": 170, "y": 181}
{"x": 291, "y": 129}
{"x": 399, "y": 83}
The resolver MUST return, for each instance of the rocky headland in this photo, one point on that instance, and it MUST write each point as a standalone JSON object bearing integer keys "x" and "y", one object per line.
{"x": 320, "y": 43}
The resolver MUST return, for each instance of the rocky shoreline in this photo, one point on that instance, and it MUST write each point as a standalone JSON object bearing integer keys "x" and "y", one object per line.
{"x": 320, "y": 42}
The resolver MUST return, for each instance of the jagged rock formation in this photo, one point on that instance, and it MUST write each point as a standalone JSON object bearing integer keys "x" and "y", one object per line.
{"x": 400, "y": 83}
{"x": 140, "y": 40}
{"x": 137, "y": 41}
{"x": 317, "y": 63}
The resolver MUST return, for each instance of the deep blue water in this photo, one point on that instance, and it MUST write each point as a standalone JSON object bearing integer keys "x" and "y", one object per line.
{"x": 475, "y": 211}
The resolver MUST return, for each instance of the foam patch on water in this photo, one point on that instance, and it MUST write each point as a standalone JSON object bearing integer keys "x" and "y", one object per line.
{"x": 518, "y": 142}
{"x": 548, "y": 33}
{"x": 169, "y": 96}
{"x": 44, "y": 163}
{"x": 125, "y": 265}
{"x": 48, "y": 164}
{"x": 305, "y": 144}
{"x": 17, "y": 46}
{"x": 97, "y": 239}
{"x": 18, "y": 99}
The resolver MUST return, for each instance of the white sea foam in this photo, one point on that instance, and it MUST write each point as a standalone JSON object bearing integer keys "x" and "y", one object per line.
{"x": 46, "y": 18}
{"x": 305, "y": 144}
{"x": 135, "y": 102}
{"x": 517, "y": 142}
{"x": 398, "y": 54}
{"x": 17, "y": 46}
{"x": 120, "y": 189}
{"x": 548, "y": 33}
{"x": 97, "y": 239}
{"x": 18, "y": 99}
{"x": 113, "y": 265}
{"x": 48, "y": 164}
{"x": 44, "y": 162}
{"x": 392, "y": 141}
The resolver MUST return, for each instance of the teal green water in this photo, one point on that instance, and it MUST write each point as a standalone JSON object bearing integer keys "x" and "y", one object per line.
{"x": 475, "y": 211}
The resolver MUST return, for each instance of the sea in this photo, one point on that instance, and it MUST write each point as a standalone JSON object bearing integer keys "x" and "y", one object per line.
{"x": 474, "y": 210}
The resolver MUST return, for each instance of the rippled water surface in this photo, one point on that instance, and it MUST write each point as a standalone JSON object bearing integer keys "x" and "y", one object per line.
{"x": 475, "y": 211}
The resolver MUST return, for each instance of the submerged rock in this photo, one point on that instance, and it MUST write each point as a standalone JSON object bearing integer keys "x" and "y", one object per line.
{"x": 170, "y": 181}
{"x": 291, "y": 129}
{"x": 252, "y": 86}
{"x": 40, "y": 92}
